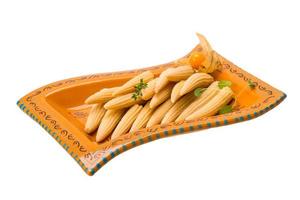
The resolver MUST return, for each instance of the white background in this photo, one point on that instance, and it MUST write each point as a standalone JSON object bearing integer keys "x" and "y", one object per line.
{"x": 45, "y": 41}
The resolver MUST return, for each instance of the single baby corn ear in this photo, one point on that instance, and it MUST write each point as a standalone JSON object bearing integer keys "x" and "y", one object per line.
{"x": 103, "y": 95}
{"x": 196, "y": 80}
{"x": 159, "y": 113}
{"x": 129, "y": 85}
{"x": 180, "y": 73}
{"x": 162, "y": 80}
{"x": 214, "y": 105}
{"x": 142, "y": 118}
{"x": 148, "y": 92}
{"x": 94, "y": 118}
{"x": 175, "y": 95}
{"x": 161, "y": 96}
{"x": 108, "y": 123}
{"x": 123, "y": 101}
{"x": 126, "y": 121}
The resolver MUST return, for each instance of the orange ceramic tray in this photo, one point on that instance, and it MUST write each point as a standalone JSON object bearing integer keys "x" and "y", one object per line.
{"x": 59, "y": 108}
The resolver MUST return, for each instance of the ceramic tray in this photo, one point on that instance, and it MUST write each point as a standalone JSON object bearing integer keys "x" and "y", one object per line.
{"x": 59, "y": 108}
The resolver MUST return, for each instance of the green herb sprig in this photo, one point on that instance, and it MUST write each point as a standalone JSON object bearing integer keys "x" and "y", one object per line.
{"x": 224, "y": 83}
{"x": 251, "y": 84}
{"x": 199, "y": 91}
{"x": 225, "y": 109}
{"x": 138, "y": 89}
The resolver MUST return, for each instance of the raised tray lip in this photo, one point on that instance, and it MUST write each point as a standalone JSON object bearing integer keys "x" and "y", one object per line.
{"x": 91, "y": 159}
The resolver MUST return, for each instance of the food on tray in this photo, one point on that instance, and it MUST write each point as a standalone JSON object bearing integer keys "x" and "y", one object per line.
{"x": 162, "y": 80}
{"x": 184, "y": 92}
{"x": 178, "y": 107}
{"x": 180, "y": 73}
{"x": 123, "y": 101}
{"x": 108, "y": 123}
{"x": 159, "y": 113}
{"x": 194, "y": 81}
{"x": 214, "y": 105}
{"x": 129, "y": 86}
{"x": 205, "y": 97}
{"x": 103, "y": 95}
{"x": 148, "y": 92}
{"x": 175, "y": 95}
{"x": 161, "y": 96}
{"x": 127, "y": 121}
{"x": 96, "y": 114}
{"x": 142, "y": 118}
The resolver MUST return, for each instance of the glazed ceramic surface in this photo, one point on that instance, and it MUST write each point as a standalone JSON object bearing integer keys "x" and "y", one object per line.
{"x": 59, "y": 108}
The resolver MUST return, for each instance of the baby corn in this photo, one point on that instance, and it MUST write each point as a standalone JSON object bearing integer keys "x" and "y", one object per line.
{"x": 142, "y": 118}
{"x": 126, "y": 121}
{"x": 123, "y": 101}
{"x": 160, "y": 97}
{"x": 207, "y": 95}
{"x": 180, "y": 73}
{"x": 178, "y": 107}
{"x": 159, "y": 113}
{"x": 196, "y": 80}
{"x": 103, "y": 95}
{"x": 108, "y": 123}
{"x": 162, "y": 80}
{"x": 94, "y": 118}
{"x": 214, "y": 105}
{"x": 175, "y": 95}
{"x": 129, "y": 85}
{"x": 148, "y": 92}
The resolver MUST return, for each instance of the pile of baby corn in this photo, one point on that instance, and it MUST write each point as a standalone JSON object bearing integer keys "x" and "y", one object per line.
{"x": 167, "y": 98}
